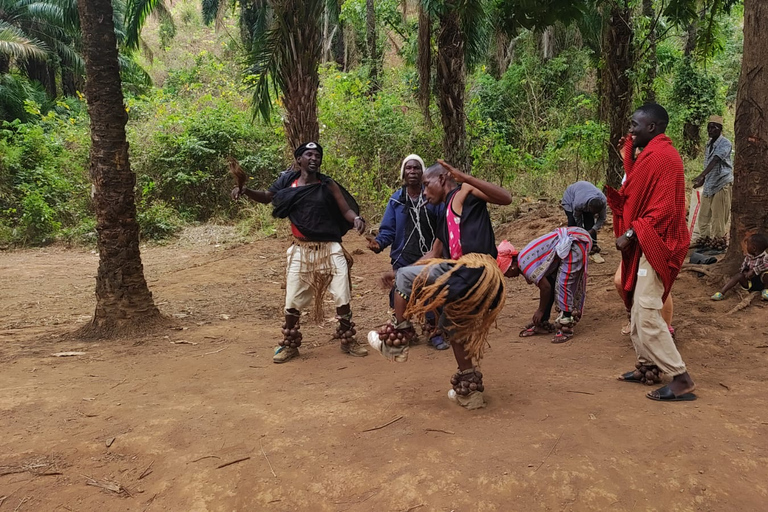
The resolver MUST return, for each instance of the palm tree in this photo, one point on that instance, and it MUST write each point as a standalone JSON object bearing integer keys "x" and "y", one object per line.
{"x": 285, "y": 52}
{"x": 123, "y": 300}
{"x": 285, "y": 61}
{"x": 41, "y": 55}
{"x": 749, "y": 214}
{"x": 616, "y": 88}
{"x": 460, "y": 44}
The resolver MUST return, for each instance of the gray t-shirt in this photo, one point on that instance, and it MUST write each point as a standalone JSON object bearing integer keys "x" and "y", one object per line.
{"x": 722, "y": 174}
{"x": 577, "y": 197}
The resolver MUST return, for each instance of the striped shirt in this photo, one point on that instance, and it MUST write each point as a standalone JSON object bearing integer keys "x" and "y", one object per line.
{"x": 541, "y": 256}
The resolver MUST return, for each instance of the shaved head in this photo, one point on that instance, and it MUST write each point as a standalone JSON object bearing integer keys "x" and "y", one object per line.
{"x": 437, "y": 183}
{"x": 435, "y": 170}
{"x": 656, "y": 114}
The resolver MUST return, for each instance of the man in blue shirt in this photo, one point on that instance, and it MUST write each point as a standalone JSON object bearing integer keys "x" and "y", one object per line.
{"x": 717, "y": 179}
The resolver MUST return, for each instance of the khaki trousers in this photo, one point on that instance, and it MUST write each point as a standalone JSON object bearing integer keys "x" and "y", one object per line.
{"x": 715, "y": 213}
{"x": 650, "y": 335}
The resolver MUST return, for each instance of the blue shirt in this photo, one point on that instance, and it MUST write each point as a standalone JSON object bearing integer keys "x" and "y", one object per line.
{"x": 722, "y": 174}
{"x": 394, "y": 227}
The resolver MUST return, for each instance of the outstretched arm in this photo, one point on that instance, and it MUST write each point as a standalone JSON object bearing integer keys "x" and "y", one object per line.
{"x": 481, "y": 189}
{"x": 345, "y": 210}
{"x": 260, "y": 196}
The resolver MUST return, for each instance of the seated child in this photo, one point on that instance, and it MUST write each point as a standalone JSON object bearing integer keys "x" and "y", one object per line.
{"x": 753, "y": 274}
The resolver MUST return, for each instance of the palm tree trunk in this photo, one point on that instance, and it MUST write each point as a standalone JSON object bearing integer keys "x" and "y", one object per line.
{"x": 616, "y": 98}
{"x": 748, "y": 214}
{"x": 68, "y": 83}
{"x": 424, "y": 62}
{"x": 649, "y": 94}
{"x": 123, "y": 300}
{"x": 303, "y": 41}
{"x": 451, "y": 77}
{"x": 691, "y": 128}
{"x": 373, "y": 58}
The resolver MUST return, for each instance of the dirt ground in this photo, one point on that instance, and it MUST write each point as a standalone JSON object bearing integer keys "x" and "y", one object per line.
{"x": 147, "y": 424}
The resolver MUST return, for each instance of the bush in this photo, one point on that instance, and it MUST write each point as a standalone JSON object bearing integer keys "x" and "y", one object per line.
{"x": 158, "y": 221}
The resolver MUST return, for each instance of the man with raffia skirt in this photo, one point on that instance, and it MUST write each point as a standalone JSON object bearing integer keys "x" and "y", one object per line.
{"x": 458, "y": 280}
{"x": 321, "y": 212}
{"x": 649, "y": 223}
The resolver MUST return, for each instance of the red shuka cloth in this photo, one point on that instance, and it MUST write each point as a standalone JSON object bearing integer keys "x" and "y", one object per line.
{"x": 652, "y": 202}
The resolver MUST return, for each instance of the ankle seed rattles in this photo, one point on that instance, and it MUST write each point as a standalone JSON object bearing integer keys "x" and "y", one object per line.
{"x": 291, "y": 337}
{"x": 397, "y": 335}
{"x": 345, "y": 330}
{"x": 647, "y": 373}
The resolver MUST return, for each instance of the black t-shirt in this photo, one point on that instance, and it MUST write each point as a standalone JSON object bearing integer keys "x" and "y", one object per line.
{"x": 476, "y": 229}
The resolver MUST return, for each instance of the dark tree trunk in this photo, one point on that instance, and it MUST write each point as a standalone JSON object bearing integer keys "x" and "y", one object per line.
{"x": 68, "y": 82}
{"x": 373, "y": 58}
{"x": 648, "y": 92}
{"x": 616, "y": 99}
{"x": 338, "y": 45}
{"x": 39, "y": 71}
{"x": 123, "y": 300}
{"x": 424, "y": 62}
{"x": 691, "y": 129}
{"x": 749, "y": 213}
{"x": 5, "y": 64}
{"x": 303, "y": 38}
{"x": 500, "y": 56}
{"x": 451, "y": 77}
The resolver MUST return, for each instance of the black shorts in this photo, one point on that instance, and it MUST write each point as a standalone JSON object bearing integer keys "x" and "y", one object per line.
{"x": 756, "y": 284}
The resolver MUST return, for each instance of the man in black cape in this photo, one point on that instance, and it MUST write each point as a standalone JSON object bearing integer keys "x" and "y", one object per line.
{"x": 321, "y": 212}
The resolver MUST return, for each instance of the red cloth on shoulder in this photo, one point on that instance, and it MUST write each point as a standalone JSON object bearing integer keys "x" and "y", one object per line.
{"x": 652, "y": 202}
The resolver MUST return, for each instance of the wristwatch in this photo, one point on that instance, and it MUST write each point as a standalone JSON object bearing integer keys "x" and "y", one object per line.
{"x": 630, "y": 233}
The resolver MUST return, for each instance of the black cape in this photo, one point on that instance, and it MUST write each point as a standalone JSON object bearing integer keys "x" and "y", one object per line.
{"x": 312, "y": 208}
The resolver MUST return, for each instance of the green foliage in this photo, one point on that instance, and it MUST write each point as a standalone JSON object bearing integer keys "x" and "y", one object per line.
{"x": 365, "y": 138}
{"x": 184, "y": 133}
{"x": 43, "y": 178}
{"x": 695, "y": 92}
{"x": 536, "y": 120}
{"x": 158, "y": 221}
{"x": 353, "y": 14}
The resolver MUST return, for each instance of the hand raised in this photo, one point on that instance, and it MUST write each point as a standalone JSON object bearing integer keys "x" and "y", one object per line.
{"x": 456, "y": 174}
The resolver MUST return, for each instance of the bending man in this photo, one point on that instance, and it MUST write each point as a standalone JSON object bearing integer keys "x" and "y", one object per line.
{"x": 557, "y": 264}
{"x": 585, "y": 207}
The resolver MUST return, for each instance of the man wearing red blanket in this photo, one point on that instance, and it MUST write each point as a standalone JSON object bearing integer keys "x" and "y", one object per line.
{"x": 649, "y": 223}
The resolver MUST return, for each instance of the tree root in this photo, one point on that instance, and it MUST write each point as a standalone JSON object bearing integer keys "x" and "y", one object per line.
{"x": 701, "y": 269}
{"x": 139, "y": 325}
{"x": 745, "y": 303}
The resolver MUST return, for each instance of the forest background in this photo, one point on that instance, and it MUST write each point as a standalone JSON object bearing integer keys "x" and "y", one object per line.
{"x": 534, "y": 121}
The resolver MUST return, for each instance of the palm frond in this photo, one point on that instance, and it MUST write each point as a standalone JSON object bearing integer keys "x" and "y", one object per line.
{"x": 14, "y": 43}
{"x": 131, "y": 72}
{"x": 136, "y": 14}
{"x": 210, "y": 10}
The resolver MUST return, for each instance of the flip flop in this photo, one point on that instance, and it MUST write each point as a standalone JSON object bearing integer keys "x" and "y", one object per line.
{"x": 665, "y": 395}
{"x": 530, "y": 330}
{"x": 630, "y": 377}
{"x": 562, "y": 337}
